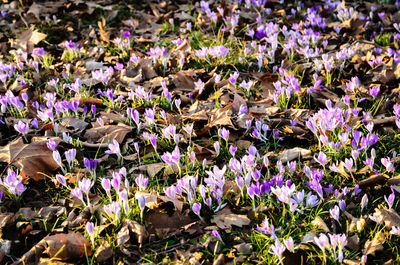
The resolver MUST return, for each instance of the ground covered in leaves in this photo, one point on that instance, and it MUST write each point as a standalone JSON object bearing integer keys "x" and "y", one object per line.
{"x": 207, "y": 132}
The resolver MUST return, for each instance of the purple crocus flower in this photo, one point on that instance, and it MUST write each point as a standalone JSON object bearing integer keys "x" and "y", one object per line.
{"x": 70, "y": 156}
{"x": 223, "y": 133}
{"x": 21, "y": 127}
{"x": 51, "y": 144}
{"x": 141, "y": 202}
{"x": 390, "y": 199}
{"x": 114, "y": 148}
{"x": 90, "y": 228}
{"x": 277, "y": 249}
{"x": 90, "y": 164}
{"x": 233, "y": 77}
{"x": 335, "y": 211}
{"x": 196, "y": 208}
{"x": 61, "y": 179}
{"x": 216, "y": 234}
{"x": 141, "y": 181}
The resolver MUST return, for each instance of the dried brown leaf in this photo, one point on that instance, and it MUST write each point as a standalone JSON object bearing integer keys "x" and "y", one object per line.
{"x": 225, "y": 219}
{"x": 104, "y": 253}
{"x": 390, "y": 217}
{"x": 294, "y": 153}
{"x": 163, "y": 224}
{"x": 131, "y": 231}
{"x": 34, "y": 159}
{"x": 151, "y": 198}
{"x": 374, "y": 245}
{"x": 106, "y": 133}
{"x": 28, "y": 39}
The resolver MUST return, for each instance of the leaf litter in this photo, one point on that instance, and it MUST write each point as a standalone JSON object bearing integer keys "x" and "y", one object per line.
{"x": 211, "y": 132}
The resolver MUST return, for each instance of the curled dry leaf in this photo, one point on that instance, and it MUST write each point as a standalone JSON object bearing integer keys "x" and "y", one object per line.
{"x": 28, "y": 39}
{"x": 374, "y": 245}
{"x": 131, "y": 230}
{"x": 60, "y": 246}
{"x": 294, "y": 153}
{"x": 6, "y": 219}
{"x": 225, "y": 219}
{"x": 389, "y": 216}
{"x": 48, "y": 212}
{"x": 352, "y": 242}
{"x": 373, "y": 180}
{"x": 163, "y": 224}
{"x": 34, "y": 159}
{"x": 151, "y": 198}
{"x": 104, "y": 253}
{"x": 318, "y": 222}
{"x": 105, "y": 134}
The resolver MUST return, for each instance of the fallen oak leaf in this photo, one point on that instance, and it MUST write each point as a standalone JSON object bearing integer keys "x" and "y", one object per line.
{"x": 61, "y": 246}
{"x": 389, "y": 216}
{"x": 374, "y": 245}
{"x": 104, "y": 253}
{"x": 35, "y": 10}
{"x": 294, "y": 153}
{"x": 106, "y": 133}
{"x": 163, "y": 224}
{"x": 28, "y": 39}
{"x": 103, "y": 34}
{"x": 151, "y": 198}
{"x": 131, "y": 230}
{"x": 225, "y": 219}
{"x": 374, "y": 180}
{"x": 34, "y": 159}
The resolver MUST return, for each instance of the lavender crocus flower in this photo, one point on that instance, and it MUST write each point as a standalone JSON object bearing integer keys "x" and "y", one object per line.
{"x": 223, "y": 133}
{"x": 277, "y": 249}
{"x": 90, "y": 228}
{"x": 335, "y": 211}
{"x": 141, "y": 181}
{"x": 289, "y": 244}
{"x": 141, "y": 202}
{"x": 21, "y": 127}
{"x": 77, "y": 192}
{"x": 322, "y": 242}
{"x": 390, "y": 199}
{"x": 114, "y": 148}
{"x": 61, "y": 179}
{"x": 196, "y": 208}
{"x": 322, "y": 159}
{"x": 51, "y": 144}
{"x": 364, "y": 201}
{"x": 106, "y": 184}
{"x": 388, "y": 164}
{"x": 13, "y": 183}
{"x": 57, "y": 158}
{"x": 217, "y": 147}
{"x": 70, "y": 156}
{"x": 171, "y": 192}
